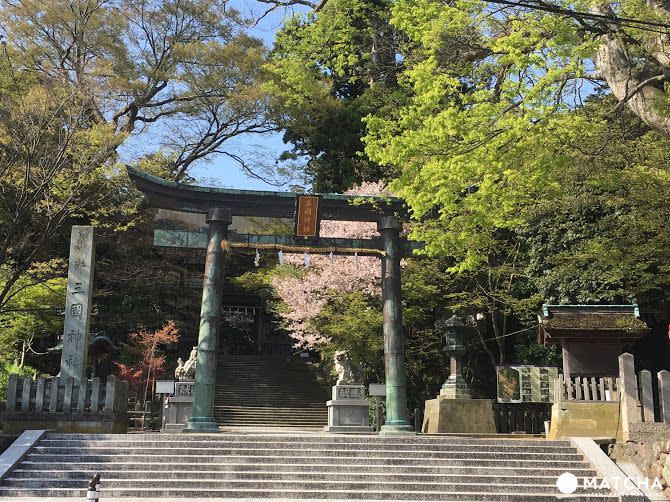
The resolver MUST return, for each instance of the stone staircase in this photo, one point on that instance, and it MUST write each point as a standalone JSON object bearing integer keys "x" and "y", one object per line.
{"x": 252, "y": 391}
{"x": 299, "y": 466}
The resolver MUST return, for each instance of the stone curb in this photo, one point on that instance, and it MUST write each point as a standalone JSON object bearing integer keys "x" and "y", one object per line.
{"x": 608, "y": 470}
{"x": 18, "y": 449}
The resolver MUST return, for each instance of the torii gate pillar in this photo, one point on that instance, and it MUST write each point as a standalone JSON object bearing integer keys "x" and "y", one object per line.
{"x": 397, "y": 420}
{"x": 202, "y": 416}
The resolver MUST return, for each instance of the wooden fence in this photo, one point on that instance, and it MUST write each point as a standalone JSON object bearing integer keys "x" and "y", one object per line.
{"x": 144, "y": 416}
{"x": 53, "y": 395}
{"x": 586, "y": 389}
{"x": 521, "y": 417}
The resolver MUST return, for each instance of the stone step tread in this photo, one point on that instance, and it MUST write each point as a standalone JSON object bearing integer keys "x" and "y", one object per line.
{"x": 386, "y": 485}
{"x": 316, "y": 425}
{"x": 326, "y": 452}
{"x": 280, "y": 404}
{"x": 315, "y": 445}
{"x": 407, "y": 462}
{"x": 420, "y": 438}
{"x": 85, "y": 475}
{"x": 316, "y": 494}
{"x": 311, "y": 467}
{"x": 271, "y": 408}
{"x": 168, "y": 448}
{"x": 268, "y": 419}
{"x": 269, "y": 412}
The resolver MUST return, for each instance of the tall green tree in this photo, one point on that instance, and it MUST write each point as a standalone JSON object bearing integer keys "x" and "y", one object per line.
{"x": 330, "y": 69}
{"x": 184, "y": 71}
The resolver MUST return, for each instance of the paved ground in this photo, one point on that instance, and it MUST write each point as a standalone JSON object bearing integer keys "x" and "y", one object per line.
{"x": 128, "y": 499}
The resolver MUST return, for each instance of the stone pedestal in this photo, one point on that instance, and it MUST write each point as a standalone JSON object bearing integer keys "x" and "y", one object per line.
{"x": 458, "y": 416}
{"x": 178, "y": 407}
{"x": 348, "y": 411}
{"x": 593, "y": 419}
{"x": 455, "y": 388}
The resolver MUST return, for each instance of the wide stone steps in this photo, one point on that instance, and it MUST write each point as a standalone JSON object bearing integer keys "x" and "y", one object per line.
{"x": 251, "y": 391}
{"x": 299, "y": 466}
{"x": 116, "y": 470}
{"x": 514, "y": 476}
{"x": 320, "y": 494}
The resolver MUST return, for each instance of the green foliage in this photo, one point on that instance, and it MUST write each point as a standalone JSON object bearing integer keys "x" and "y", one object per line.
{"x": 33, "y": 311}
{"x": 11, "y": 368}
{"x": 605, "y": 237}
{"x": 330, "y": 69}
{"x": 353, "y": 322}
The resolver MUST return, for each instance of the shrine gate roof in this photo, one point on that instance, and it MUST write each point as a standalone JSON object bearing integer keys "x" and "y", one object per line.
{"x": 588, "y": 322}
{"x": 165, "y": 194}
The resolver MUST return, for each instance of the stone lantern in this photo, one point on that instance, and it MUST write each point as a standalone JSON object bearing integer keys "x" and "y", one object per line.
{"x": 454, "y": 410}
{"x": 454, "y": 333}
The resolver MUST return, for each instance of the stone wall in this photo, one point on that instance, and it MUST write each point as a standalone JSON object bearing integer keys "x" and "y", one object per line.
{"x": 652, "y": 457}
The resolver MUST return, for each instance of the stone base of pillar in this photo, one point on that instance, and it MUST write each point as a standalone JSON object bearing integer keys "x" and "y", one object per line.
{"x": 456, "y": 388}
{"x": 201, "y": 424}
{"x": 395, "y": 430}
{"x": 458, "y": 416}
{"x": 348, "y": 411}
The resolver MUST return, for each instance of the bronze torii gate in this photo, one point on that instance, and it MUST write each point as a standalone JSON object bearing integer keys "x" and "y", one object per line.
{"x": 220, "y": 205}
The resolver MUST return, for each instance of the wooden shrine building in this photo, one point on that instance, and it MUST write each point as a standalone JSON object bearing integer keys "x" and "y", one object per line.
{"x": 592, "y": 337}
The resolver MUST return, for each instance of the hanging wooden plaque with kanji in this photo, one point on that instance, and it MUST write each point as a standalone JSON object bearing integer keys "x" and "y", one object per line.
{"x": 307, "y": 216}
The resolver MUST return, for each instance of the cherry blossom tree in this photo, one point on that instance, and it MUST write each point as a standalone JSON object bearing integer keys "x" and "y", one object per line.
{"x": 305, "y": 295}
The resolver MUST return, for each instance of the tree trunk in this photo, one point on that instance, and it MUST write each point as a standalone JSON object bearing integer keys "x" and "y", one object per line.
{"x": 642, "y": 94}
{"x": 499, "y": 334}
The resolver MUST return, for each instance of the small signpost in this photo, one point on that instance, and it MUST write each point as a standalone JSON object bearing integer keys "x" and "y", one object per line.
{"x": 377, "y": 389}
{"x": 526, "y": 384}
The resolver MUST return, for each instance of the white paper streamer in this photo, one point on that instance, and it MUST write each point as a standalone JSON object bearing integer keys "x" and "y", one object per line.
{"x": 305, "y": 259}
{"x": 257, "y": 259}
{"x": 356, "y": 259}
{"x": 280, "y": 255}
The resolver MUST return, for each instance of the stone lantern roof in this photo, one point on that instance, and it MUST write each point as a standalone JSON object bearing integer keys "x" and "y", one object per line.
{"x": 590, "y": 322}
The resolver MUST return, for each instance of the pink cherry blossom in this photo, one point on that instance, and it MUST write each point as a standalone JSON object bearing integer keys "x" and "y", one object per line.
{"x": 306, "y": 296}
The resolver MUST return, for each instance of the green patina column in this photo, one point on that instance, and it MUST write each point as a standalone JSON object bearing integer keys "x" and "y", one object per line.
{"x": 397, "y": 417}
{"x": 202, "y": 416}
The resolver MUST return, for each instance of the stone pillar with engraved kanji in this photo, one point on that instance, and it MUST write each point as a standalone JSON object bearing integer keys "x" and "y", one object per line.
{"x": 74, "y": 358}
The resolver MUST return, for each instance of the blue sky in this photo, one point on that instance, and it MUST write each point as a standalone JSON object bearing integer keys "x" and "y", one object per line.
{"x": 223, "y": 171}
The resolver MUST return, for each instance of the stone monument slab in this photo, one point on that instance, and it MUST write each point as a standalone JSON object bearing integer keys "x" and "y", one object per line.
{"x": 74, "y": 358}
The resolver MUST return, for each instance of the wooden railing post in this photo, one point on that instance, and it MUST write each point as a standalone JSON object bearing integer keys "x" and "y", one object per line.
{"x": 587, "y": 390}
{"x": 11, "y": 392}
{"x": 578, "y": 388}
{"x": 39, "y": 396}
{"x": 646, "y": 395}
{"x": 53, "y": 395}
{"x": 628, "y": 394}
{"x": 95, "y": 394}
{"x": 67, "y": 395}
{"x": 664, "y": 395}
{"x": 25, "y": 395}
{"x": 558, "y": 389}
{"x": 81, "y": 397}
{"x": 110, "y": 393}
{"x": 594, "y": 390}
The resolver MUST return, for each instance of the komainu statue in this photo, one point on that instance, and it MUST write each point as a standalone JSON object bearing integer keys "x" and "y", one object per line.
{"x": 186, "y": 371}
{"x": 345, "y": 373}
